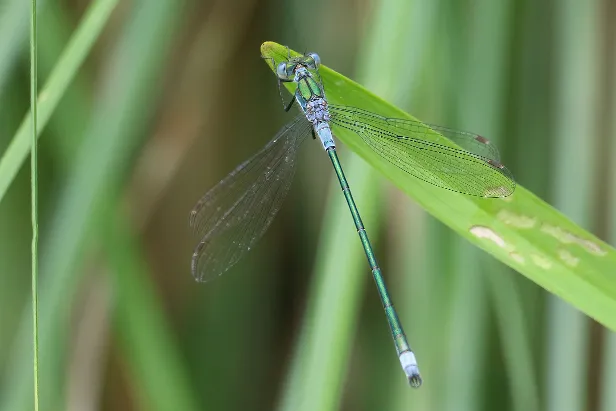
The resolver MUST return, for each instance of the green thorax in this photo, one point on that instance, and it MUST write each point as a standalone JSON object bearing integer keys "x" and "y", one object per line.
{"x": 308, "y": 88}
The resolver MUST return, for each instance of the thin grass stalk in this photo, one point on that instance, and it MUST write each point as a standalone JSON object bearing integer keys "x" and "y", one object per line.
{"x": 34, "y": 199}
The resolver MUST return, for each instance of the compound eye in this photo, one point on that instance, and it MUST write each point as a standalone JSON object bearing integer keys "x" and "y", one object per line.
{"x": 281, "y": 71}
{"x": 316, "y": 58}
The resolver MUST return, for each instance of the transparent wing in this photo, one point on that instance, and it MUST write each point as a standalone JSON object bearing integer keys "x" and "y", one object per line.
{"x": 471, "y": 142}
{"x": 234, "y": 214}
{"x": 418, "y": 149}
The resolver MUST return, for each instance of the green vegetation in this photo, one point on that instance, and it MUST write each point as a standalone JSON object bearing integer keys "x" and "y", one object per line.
{"x": 146, "y": 105}
{"x": 522, "y": 231}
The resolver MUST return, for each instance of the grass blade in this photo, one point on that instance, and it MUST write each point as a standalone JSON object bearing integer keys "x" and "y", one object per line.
{"x": 34, "y": 199}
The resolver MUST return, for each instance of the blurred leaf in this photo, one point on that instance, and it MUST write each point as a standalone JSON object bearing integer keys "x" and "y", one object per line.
{"x": 577, "y": 47}
{"x": 522, "y": 230}
{"x": 97, "y": 174}
{"x": 143, "y": 331}
{"x": 323, "y": 349}
{"x": 13, "y": 35}
{"x": 75, "y": 53}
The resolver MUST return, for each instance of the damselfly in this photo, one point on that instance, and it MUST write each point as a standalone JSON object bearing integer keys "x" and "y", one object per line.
{"x": 235, "y": 213}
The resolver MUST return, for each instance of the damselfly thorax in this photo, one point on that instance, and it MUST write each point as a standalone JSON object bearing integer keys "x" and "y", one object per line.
{"x": 310, "y": 96}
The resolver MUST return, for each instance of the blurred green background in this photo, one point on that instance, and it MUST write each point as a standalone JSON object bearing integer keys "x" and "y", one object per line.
{"x": 173, "y": 96}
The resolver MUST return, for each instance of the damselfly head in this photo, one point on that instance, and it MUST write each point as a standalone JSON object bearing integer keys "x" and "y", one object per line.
{"x": 286, "y": 69}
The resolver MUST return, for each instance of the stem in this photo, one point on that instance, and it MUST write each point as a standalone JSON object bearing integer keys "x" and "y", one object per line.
{"x": 34, "y": 198}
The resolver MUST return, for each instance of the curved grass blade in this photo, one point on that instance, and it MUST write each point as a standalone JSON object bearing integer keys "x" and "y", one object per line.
{"x": 234, "y": 214}
{"x": 423, "y": 153}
